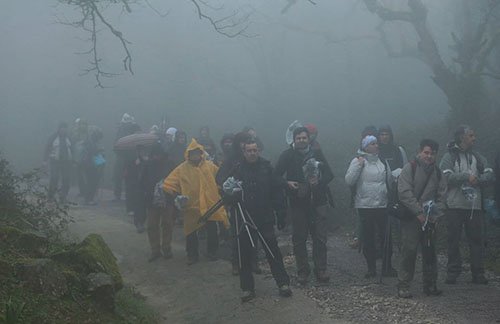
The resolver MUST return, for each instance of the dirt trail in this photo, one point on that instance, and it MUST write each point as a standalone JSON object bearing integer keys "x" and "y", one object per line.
{"x": 207, "y": 293}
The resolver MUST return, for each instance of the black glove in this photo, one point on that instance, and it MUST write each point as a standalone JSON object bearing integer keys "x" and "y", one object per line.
{"x": 281, "y": 219}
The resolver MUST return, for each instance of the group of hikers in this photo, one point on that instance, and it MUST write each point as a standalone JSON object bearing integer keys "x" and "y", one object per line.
{"x": 237, "y": 193}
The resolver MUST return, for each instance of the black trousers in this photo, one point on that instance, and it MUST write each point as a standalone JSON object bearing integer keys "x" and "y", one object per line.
{"x": 373, "y": 221}
{"x": 192, "y": 241}
{"x": 248, "y": 252}
{"x": 234, "y": 240}
{"x": 92, "y": 177}
{"x": 59, "y": 170}
{"x": 118, "y": 171}
{"x": 456, "y": 221}
{"x": 309, "y": 220}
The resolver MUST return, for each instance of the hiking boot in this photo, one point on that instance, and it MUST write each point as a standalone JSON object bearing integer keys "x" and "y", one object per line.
{"x": 431, "y": 290}
{"x": 285, "y": 291}
{"x": 390, "y": 273}
{"x": 302, "y": 279}
{"x": 235, "y": 270}
{"x": 154, "y": 256}
{"x": 404, "y": 293}
{"x": 322, "y": 276}
{"x": 451, "y": 280}
{"x": 479, "y": 279}
{"x": 247, "y": 296}
{"x": 192, "y": 260}
{"x": 370, "y": 274}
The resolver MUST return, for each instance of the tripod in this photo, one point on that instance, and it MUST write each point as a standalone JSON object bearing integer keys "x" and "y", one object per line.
{"x": 247, "y": 223}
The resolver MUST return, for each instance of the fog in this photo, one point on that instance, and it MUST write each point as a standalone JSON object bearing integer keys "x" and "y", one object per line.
{"x": 321, "y": 63}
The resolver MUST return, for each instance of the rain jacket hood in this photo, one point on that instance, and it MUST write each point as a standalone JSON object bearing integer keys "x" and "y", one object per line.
{"x": 194, "y": 145}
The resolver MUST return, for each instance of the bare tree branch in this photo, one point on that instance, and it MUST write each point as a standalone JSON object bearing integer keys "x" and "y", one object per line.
{"x": 230, "y": 26}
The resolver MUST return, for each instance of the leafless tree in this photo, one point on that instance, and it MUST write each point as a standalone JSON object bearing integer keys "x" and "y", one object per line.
{"x": 461, "y": 79}
{"x": 93, "y": 21}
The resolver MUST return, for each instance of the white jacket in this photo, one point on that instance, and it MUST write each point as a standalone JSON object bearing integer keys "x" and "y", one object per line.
{"x": 370, "y": 179}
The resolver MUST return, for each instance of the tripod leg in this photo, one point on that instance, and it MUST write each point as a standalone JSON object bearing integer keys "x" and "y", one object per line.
{"x": 245, "y": 223}
{"x": 237, "y": 233}
{"x": 260, "y": 236}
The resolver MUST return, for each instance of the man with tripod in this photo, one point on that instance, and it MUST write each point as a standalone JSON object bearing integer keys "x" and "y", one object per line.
{"x": 261, "y": 197}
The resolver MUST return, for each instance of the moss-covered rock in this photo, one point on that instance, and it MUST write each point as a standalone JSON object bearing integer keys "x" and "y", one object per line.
{"x": 92, "y": 255}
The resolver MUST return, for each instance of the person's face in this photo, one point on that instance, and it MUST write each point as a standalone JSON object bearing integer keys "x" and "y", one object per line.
{"x": 195, "y": 156}
{"x": 301, "y": 140}
{"x": 169, "y": 137}
{"x": 468, "y": 139}
{"x": 384, "y": 137}
{"x": 251, "y": 152}
{"x": 427, "y": 155}
{"x": 372, "y": 148}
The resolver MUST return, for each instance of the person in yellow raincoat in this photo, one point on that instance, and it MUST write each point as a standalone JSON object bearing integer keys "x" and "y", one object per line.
{"x": 195, "y": 178}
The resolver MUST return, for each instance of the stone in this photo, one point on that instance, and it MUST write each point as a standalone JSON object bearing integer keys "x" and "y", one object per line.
{"x": 101, "y": 288}
{"x": 26, "y": 242}
{"x": 92, "y": 255}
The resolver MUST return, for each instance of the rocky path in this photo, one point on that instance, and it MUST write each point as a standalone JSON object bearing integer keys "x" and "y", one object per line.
{"x": 207, "y": 293}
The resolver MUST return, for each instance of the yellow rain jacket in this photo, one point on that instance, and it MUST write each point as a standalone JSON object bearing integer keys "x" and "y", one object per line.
{"x": 198, "y": 183}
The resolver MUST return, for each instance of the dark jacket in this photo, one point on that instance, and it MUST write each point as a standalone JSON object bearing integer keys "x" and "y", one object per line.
{"x": 262, "y": 190}
{"x": 390, "y": 152}
{"x": 154, "y": 170}
{"x": 290, "y": 163}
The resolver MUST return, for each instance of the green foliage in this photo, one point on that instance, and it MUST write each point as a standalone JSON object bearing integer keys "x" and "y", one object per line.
{"x": 14, "y": 311}
{"x": 24, "y": 203}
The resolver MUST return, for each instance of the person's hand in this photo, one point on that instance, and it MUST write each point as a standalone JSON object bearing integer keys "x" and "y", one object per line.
{"x": 313, "y": 181}
{"x": 421, "y": 218}
{"x": 361, "y": 160}
{"x": 294, "y": 185}
{"x": 473, "y": 180}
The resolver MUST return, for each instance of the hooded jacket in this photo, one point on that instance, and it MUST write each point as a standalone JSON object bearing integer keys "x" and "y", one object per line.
{"x": 457, "y": 165}
{"x": 393, "y": 154}
{"x": 370, "y": 180}
{"x": 411, "y": 183}
{"x": 197, "y": 182}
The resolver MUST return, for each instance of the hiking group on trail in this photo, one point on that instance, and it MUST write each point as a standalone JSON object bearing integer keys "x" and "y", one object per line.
{"x": 236, "y": 194}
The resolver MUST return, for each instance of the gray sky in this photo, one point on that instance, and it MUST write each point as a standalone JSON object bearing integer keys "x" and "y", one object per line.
{"x": 199, "y": 77}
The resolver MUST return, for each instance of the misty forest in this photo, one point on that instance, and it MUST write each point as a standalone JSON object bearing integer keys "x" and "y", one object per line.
{"x": 216, "y": 161}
